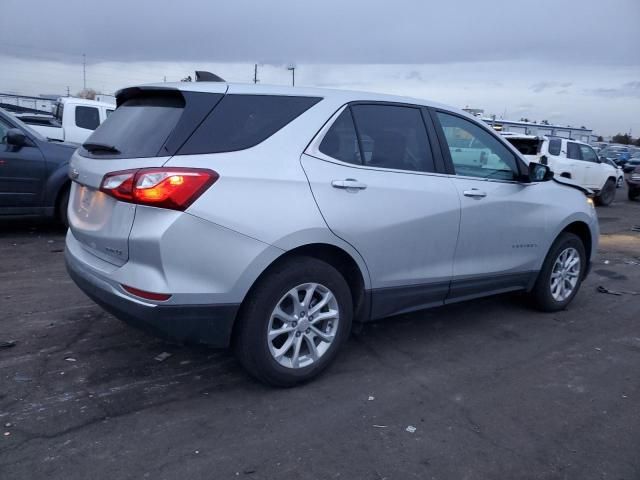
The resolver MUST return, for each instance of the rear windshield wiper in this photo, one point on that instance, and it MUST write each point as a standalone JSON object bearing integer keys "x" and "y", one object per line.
{"x": 100, "y": 147}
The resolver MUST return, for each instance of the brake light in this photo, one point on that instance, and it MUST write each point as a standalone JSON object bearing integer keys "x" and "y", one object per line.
{"x": 174, "y": 188}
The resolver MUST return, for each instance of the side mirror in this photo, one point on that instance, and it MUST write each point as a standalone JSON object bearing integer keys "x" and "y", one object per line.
{"x": 602, "y": 160}
{"x": 539, "y": 172}
{"x": 16, "y": 137}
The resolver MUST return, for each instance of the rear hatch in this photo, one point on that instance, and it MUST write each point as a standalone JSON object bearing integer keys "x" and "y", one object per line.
{"x": 529, "y": 146}
{"x": 147, "y": 128}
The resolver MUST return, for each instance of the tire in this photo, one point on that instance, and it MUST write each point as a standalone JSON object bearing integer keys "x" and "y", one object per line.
{"x": 63, "y": 203}
{"x": 257, "y": 353}
{"x": 607, "y": 194}
{"x": 542, "y": 297}
{"x": 633, "y": 193}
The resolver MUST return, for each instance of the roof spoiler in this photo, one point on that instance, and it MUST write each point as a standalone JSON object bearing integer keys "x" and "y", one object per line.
{"x": 203, "y": 76}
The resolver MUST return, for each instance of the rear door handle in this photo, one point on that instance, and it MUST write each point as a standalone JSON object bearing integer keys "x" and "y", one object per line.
{"x": 349, "y": 183}
{"x": 475, "y": 193}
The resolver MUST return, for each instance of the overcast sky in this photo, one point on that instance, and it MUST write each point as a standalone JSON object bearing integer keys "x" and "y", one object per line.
{"x": 572, "y": 62}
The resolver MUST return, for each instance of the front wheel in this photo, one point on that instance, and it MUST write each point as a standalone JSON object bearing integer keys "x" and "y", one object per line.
{"x": 561, "y": 274}
{"x": 633, "y": 193}
{"x": 607, "y": 194}
{"x": 294, "y": 321}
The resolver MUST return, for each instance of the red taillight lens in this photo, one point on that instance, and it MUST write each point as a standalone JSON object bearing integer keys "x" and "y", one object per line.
{"x": 174, "y": 188}
{"x": 158, "y": 297}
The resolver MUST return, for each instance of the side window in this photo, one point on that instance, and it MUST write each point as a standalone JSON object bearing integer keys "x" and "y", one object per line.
{"x": 555, "y": 145}
{"x": 393, "y": 137}
{"x": 3, "y": 132}
{"x": 588, "y": 155}
{"x": 573, "y": 151}
{"x": 475, "y": 152}
{"x": 243, "y": 121}
{"x": 340, "y": 141}
{"x": 87, "y": 117}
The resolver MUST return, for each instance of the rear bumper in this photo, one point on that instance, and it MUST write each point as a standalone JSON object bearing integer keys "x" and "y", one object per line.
{"x": 208, "y": 324}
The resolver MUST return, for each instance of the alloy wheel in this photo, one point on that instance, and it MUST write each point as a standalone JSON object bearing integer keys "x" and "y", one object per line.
{"x": 565, "y": 274}
{"x": 303, "y": 325}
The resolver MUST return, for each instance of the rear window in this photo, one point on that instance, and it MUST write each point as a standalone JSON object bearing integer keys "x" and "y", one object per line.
{"x": 555, "y": 145}
{"x": 242, "y": 121}
{"x": 526, "y": 146}
{"x": 140, "y": 126}
{"x": 87, "y": 117}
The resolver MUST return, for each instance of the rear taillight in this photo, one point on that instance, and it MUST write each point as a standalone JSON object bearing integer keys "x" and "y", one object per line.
{"x": 174, "y": 188}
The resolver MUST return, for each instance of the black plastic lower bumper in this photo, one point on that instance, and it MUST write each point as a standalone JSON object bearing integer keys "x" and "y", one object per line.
{"x": 208, "y": 324}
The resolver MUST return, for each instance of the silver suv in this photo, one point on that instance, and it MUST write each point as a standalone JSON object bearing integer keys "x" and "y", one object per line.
{"x": 271, "y": 218}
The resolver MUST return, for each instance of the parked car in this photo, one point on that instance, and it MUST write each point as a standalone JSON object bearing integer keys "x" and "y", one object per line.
{"x": 74, "y": 119}
{"x": 33, "y": 171}
{"x": 618, "y": 154}
{"x": 619, "y": 171}
{"x": 261, "y": 217}
{"x": 570, "y": 159}
{"x": 631, "y": 165}
{"x": 633, "y": 184}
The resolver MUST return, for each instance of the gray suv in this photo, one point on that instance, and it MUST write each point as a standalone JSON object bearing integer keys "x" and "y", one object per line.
{"x": 271, "y": 218}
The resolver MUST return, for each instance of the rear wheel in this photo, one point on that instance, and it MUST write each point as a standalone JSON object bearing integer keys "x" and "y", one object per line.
{"x": 607, "y": 194}
{"x": 63, "y": 203}
{"x": 561, "y": 274}
{"x": 292, "y": 325}
{"x": 633, "y": 193}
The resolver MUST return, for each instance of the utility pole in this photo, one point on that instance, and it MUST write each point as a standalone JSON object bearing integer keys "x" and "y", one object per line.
{"x": 255, "y": 73}
{"x": 67, "y": 90}
{"x": 165, "y": 79}
{"x": 293, "y": 75}
{"x": 84, "y": 71}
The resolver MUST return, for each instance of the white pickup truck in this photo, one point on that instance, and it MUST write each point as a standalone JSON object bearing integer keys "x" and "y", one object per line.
{"x": 571, "y": 159}
{"x": 76, "y": 119}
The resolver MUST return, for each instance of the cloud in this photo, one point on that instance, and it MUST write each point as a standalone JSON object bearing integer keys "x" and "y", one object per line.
{"x": 542, "y": 86}
{"x": 414, "y": 75}
{"x": 327, "y": 31}
{"x": 629, "y": 89}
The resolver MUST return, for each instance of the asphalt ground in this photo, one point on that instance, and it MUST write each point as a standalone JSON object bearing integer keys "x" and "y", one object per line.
{"x": 493, "y": 389}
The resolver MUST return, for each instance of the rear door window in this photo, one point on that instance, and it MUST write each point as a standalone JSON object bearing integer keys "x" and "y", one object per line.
{"x": 139, "y": 127}
{"x": 555, "y": 145}
{"x": 393, "y": 137}
{"x": 243, "y": 121}
{"x": 340, "y": 141}
{"x": 87, "y": 117}
{"x": 573, "y": 151}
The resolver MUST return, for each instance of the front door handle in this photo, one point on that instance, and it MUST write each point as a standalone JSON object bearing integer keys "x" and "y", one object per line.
{"x": 474, "y": 193}
{"x": 349, "y": 183}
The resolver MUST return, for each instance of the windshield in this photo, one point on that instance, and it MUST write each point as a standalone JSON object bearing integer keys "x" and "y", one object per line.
{"x": 25, "y": 127}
